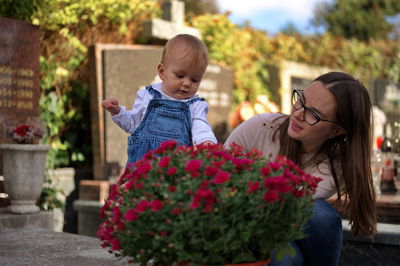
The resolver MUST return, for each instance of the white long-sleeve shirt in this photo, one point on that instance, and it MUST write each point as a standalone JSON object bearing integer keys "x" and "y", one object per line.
{"x": 257, "y": 132}
{"x": 129, "y": 120}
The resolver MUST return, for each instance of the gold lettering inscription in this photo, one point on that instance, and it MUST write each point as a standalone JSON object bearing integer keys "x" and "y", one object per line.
{"x": 5, "y": 70}
{"x": 19, "y": 105}
{"x": 18, "y": 82}
{"x": 23, "y": 72}
{"x": 5, "y": 81}
{"x": 16, "y": 93}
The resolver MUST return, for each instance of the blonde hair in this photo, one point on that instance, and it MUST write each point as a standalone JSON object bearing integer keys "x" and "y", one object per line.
{"x": 191, "y": 46}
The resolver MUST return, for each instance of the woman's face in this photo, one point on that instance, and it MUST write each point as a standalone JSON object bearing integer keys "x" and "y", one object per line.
{"x": 321, "y": 101}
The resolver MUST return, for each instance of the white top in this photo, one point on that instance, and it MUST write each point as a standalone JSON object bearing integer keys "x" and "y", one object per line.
{"x": 130, "y": 120}
{"x": 257, "y": 132}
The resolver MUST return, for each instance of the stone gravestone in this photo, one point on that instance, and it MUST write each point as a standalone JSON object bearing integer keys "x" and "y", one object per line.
{"x": 19, "y": 72}
{"x": 121, "y": 70}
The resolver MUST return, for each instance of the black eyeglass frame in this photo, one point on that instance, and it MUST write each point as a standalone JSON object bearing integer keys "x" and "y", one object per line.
{"x": 314, "y": 114}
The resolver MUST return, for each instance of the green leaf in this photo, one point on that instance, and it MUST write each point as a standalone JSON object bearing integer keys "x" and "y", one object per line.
{"x": 285, "y": 250}
{"x": 244, "y": 257}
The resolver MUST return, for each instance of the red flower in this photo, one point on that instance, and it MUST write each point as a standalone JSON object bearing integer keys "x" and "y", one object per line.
{"x": 164, "y": 162}
{"x": 167, "y": 145}
{"x": 253, "y": 187}
{"x": 193, "y": 165}
{"x": 271, "y": 196}
{"x": 142, "y": 206}
{"x": 210, "y": 170}
{"x": 175, "y": 211}
{"x": 155, "y": 205}
{"x": 172, "y": 188}
{"x": 115, "y": 244}
{"x": 21, "y": 130}
{"x": 221, "y": 177}
{"x": 131, "y": 215}
{"x": 171, "y": 171}
{"x": 265, "y": 171}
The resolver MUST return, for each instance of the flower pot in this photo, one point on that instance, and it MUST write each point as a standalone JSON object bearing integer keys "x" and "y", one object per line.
{"x": 23, "y": 170}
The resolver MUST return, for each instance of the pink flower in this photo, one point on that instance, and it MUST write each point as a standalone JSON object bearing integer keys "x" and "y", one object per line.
{"x": 164, "y": 162}
{"x": 172, "y": 188}
{"x": 271, "y": 196}
{"x": 131, "y": 215}
{"x": 221, "y": 177}
{"x": 155, "y": 205}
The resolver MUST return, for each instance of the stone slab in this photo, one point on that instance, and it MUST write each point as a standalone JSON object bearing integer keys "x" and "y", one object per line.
{"x": 14, "y": 221}
{"x": 43, "y": 247}
{"x": 88, "y": 216}
{"x": 94, "y": 190}
{"x": 382, "y": 249}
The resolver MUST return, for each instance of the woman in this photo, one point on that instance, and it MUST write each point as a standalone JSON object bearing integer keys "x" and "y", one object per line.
{"x": 328, "y": 134}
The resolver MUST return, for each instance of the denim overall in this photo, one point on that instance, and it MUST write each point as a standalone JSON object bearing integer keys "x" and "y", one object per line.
{"x": 165, "y": 119}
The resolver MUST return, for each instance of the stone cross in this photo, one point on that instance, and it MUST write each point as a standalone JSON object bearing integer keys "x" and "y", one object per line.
{"x": 161, "y": 30}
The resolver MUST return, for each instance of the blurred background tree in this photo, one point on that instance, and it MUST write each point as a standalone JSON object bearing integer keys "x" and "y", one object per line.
{"x": 360, "y": 19}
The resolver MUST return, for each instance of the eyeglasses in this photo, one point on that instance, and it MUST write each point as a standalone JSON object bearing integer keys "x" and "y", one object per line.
{"x": 309, "y": 115}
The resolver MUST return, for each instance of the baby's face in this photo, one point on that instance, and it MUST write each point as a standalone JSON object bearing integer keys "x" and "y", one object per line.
{"x": 181, "y": 77}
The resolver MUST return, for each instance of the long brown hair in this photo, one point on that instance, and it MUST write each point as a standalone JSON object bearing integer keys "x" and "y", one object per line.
{"x": 351, "y": 150}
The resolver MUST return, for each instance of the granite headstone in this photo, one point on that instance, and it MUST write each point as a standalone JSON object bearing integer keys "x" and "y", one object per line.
{"x": 19, "y": 73}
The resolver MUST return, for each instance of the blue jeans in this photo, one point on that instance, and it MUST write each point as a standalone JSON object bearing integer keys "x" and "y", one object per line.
{"x": 323, "y": 242}
{"x": 164, "y": 120}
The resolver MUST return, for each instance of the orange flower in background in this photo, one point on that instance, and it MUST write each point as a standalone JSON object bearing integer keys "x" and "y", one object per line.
{"x": 246, "y": 110}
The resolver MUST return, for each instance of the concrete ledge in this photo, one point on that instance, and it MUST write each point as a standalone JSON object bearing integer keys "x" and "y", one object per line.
{"x": 388, "y": 234}
{"x": 14, "y": 221}
{"x": 381, "y": 249}
{"x": 36, "y": 246}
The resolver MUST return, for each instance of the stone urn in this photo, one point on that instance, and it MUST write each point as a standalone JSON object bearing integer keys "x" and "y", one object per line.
{"x": 23, "y": 170}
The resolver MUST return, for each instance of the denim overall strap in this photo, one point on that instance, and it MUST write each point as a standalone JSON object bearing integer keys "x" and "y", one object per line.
{"x": 195, "y": 100}
{"x": 156, "y": 94}
{"x": 165, "y": 119}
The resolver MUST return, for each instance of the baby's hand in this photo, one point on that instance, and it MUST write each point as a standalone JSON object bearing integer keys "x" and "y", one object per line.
{"x": 111, "y": 105}
{"x": 207, "y": 142}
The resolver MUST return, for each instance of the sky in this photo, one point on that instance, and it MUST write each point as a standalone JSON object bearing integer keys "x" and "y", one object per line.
{"x": 271, "y": 15}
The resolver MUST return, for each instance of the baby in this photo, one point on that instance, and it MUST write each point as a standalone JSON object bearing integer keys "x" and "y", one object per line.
{"x": 170, "y": 110}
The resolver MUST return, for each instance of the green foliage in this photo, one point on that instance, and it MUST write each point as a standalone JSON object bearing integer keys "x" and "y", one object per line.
{"x": 361, "y": 19}
{"x": 68, "y": 28}
{"x": 236, "y": 48}
{"x": 49, "y": 198}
